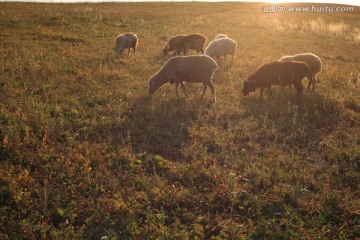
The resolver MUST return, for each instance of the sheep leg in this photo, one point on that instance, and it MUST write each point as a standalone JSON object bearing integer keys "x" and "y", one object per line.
{"x": 299, "y": 87}
{"x": 314, "y": 82}
{"x": 212, "y": 88}
{"x": 204, "y": 91}
{"x": 177, "y": 88}
{"x": 310, "y": 81}
{"x": 270, "y": 92}
{"x": 261, "y": 92}
{"x": 232, "y": 60}
{"x": 183, "y": 88}
{"x": 129, "y": 52}
{"x": 134, "y": 51}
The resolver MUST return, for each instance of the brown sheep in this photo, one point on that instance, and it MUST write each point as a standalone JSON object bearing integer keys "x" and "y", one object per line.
{"x": 172, "y": 43}
{"x": 277, "y": 73}
{"x": 193, "y": 41}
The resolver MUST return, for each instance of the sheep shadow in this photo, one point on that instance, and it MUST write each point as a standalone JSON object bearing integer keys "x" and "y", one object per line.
{"x": 298, "y": 120}
{"x": 159, "y": 125}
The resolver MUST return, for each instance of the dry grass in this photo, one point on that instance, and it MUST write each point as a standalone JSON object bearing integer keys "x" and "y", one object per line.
{"x": 84, "y": 152}
{"x": 321, "y": 27}
{"x": 318, "y": 26}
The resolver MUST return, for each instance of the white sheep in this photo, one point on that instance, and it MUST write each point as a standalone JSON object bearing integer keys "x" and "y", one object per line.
{"x": 221, "y": 35}
{"x": 126, "y": 40}
{"x": 314, "y": 63}
{"x": 192, "y": 69}
{"x": 221, "y": 48}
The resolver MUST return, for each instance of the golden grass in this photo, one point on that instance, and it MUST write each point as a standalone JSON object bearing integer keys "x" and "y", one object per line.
{"x": 86, "y": 153}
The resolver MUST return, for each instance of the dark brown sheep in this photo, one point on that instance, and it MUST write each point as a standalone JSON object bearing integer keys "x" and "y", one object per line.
{"x": 193, "y": 41}
{"x": 277, "y": 73}
{"x": 173, "y": 43}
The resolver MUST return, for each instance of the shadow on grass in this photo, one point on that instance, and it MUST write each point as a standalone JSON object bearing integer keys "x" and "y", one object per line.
{"x": 159, "y": 125}
{"x": 298, "y": 120}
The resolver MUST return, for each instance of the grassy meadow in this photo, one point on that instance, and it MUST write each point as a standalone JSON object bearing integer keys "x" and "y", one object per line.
{"x": 86, "y": 153}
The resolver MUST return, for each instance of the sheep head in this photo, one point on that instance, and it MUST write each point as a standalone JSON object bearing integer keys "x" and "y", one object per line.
{"x": 249, "y": 86}
{"x": 155, "y": 83}
{"x": 117, "y": 50}
{"x": 166, "y": 49}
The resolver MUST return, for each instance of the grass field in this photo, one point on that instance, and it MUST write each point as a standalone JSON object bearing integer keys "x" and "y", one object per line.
{"x": 86, "y": 153}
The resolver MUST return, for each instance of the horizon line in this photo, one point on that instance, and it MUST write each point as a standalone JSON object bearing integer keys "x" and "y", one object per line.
{"x": 338, "y": 2}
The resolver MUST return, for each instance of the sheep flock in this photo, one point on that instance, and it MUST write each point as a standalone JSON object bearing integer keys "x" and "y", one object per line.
{"x": 200, "y": 68}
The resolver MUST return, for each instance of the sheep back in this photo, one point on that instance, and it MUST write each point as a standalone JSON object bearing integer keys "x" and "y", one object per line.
{"x": 219, "y": 36}
{"x": 193, "y": 41}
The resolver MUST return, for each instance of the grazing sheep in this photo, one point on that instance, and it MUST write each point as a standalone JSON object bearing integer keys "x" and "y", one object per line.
{"x": 126, "y": 40}
{"x": 192, "y": 69}
{"x": 193, "y": 41}
{"x": 277, "y": 73}
{"x": 221, "y": 47}
{"x": 314, "y": 63}
{"x": 219, "y": 36}
{"x": 172, "y": 43}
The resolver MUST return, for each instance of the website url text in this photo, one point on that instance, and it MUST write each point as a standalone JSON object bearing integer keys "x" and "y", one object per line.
{"x": 275, "y": 8}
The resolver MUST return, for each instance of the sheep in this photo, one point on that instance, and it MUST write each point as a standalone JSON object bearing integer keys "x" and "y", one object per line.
{"x": 221, "y": 47}
{"x": 172, "y": 43}
{"x": 277, "y": 73}
{"x": 179, "y": 69}
{"x": 314, "y": 63}
{"x": 219, "y": 36}
{"x": 193, "y": 41}
{"x": 126, "y": 40}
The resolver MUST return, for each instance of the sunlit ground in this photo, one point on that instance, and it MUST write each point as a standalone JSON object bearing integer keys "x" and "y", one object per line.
{"x": 86, "y": 154}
